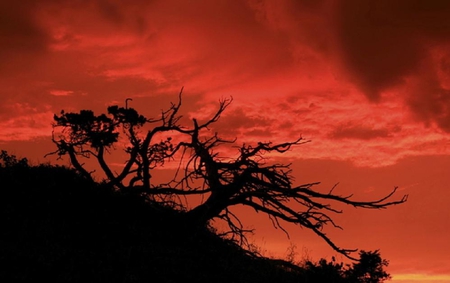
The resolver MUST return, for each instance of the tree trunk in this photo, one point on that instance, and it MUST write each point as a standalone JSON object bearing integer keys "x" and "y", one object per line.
{"x": 212, "y": 207}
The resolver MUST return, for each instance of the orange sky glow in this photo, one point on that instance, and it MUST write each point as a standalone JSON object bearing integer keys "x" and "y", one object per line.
{"x": 367, "y": 82}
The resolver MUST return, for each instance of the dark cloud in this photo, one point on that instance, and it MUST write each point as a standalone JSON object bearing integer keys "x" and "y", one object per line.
{"x": 382, "y": 42}
{"x": 404, "y": 43}
{"x": 21, "y": 37}
{"x": 18, "y": 28}
{"x": 428, "y": 95}
{"x": 379, "y": 43}
{"x": 431, "y": 103}
{"x": 103, "y": 15}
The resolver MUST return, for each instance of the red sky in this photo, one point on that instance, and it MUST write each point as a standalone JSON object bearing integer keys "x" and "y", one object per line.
{"x": 368, "y": 82}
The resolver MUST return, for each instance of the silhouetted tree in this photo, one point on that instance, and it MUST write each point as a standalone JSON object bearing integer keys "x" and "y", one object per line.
{"x": 247, "y": 179}
{"x": 10, "y": 160}
{"x": 368, "y": 269}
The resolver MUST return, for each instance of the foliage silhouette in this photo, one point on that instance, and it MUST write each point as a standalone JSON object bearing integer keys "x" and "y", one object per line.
{"x": 369, "y": 268}
{"x": 59, "y": 226}
{"x": 246, "y": 179}
{"x": 10, "y": 160}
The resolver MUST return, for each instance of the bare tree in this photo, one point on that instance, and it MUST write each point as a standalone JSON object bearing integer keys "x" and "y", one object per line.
{"x": 247, "y": 179}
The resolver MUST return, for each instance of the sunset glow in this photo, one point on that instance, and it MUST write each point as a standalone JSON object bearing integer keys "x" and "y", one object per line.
{"x": 366, "y": 82}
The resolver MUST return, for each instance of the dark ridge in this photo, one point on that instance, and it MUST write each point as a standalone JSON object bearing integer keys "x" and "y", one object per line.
{"x": 59, "y": 227}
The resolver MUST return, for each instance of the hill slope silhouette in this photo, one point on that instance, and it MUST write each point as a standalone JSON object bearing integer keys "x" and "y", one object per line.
{"x": 57, "y": 226}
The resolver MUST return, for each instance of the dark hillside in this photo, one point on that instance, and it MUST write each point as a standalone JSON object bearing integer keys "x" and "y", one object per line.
{"x": 58, "y": 227}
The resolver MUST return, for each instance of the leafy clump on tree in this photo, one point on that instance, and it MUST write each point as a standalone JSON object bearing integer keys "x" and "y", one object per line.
{"x": 246, "y": 179}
